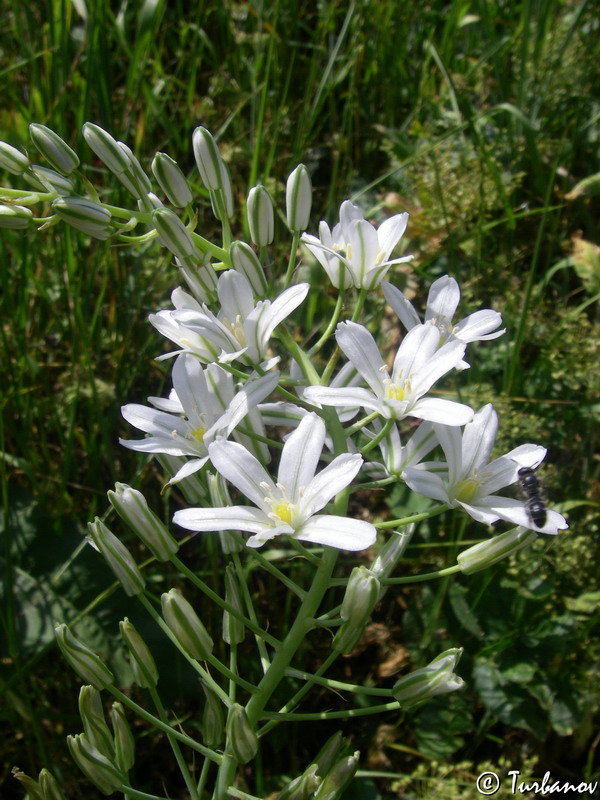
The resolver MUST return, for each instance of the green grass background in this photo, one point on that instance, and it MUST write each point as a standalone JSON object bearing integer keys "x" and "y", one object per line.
{"x": 481, "y": 120}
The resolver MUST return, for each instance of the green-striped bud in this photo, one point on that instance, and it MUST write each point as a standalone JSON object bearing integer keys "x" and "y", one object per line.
{"x": 31, "y": 786}
{"x": 303, "y": 787}
{"x": 96, "y": 767}
{"x": 84, "y": 661}
{"x": 361, "y": 596}
{"x": 392, "y": 551}
{"x": 15, "y": 218}
{"x": 234, "y": 631}
{"x": 117, "y": 556}
{"x": 132, "y": 507}
{"x": 124, "y": 741}
{"x": 53, "y": 148}
{"x": 139, "y": 183}
{"x": 49, "y": 180}
{"x": 245, "y": 260}
{"x": 12, "y": 160}
{"x": 261, "y": 219}
{"x": 173, "y": 234}
{"x": 143, "y": 666}
{"x": 185, "y": 624}
{"x": 84, "y": 215}
{"x": 436, "y": 678}
{"x": 243, "y": 740}
{"x": 213, "y": 721}
{"x": 49, "y": 786}
{"x": 338, "y": 778}
{"x": 106, "y": 148}
{"x": 334, "y": 748}
{"x": 171, "y": 180}
{"x": 94, "y": 721}
{"x": 298, "y": 199}
{"x": 486, "y": 553}
{"x": 208, "y": 159}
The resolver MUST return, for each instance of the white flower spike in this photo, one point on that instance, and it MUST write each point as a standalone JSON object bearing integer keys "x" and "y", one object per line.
{"x": 417, "y": 366}
{"x": 288, "y": 506}
{"x": 442, "y": 302}
{"x": 470, "y": 480}
{"x": 356, "y": 253}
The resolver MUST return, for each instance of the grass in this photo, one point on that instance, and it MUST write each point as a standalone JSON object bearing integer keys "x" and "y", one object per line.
{"x": 478, "y": 118}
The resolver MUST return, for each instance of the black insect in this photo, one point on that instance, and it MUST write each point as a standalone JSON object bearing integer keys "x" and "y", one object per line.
{"x": 532, "y": 491}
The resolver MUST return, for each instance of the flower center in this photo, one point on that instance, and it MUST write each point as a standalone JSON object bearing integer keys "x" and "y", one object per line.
{"x": 198, "y": 434}
{"x": 394, "y": 392}
{"x": 466, "y": 490}
{"x": 284, "y": 512}
{"x": 237, "y": 329}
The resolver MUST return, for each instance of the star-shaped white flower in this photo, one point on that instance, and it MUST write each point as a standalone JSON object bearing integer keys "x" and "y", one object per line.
{"x": 470, "y": 480}
{"x": 241, "y": 329}
{"x": 417, "y": 366}
{"x": 356, "y": 253}
{"x": 201, "y": 406}
{"x": 289, "y": 505}
{"x": 442, "y": 302}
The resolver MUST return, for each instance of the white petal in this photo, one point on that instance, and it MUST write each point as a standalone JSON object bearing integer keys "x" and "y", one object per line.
{"x": 154, "y": 422}
{"x": 390, "y": 232}
{"x": 243, "y": 470}
{"x": 528, "y": 455}
{"x": 156, "y": 444}
{"x": 432, "y": 368}
{"x": 190, "y": 385}
{"x": 364, "y": 247}
{"x": 235, "y": 295}
{"x": 279, "y": 310}
{"x": 443, "y": 299}
{"x": 301, "y": 454}
{"x": 478, "y": 326}
{"x": 446, "y": 412}
{"x": 237, "y": 518}
{"x": 402, "y": 307}
{"x": 426, "y": 483}
{"x": 478, "y": 439}
{"x": 361, "y": 349}
{"x": 188, "y": 469}
{"x": 247, "y": 398}
{"x": 451, "y": 440}
{"x": 341, "y": 532}
{"x": 331, "y": 480}
{"x": 346, "y": 398}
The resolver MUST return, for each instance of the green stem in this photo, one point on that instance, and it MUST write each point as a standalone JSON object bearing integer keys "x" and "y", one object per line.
{"x": 425, "y": 576}
{"x": 353, "y": 712}
{"x": 329, "y": 683}
{"x": 183, "y": 768}
{"x": 292, "y": 262}
{"x": 362, "y": 422}
{"x": 330, "y": 327}
{"x": 398, "y": 523}
{"x": 385, "y": 429}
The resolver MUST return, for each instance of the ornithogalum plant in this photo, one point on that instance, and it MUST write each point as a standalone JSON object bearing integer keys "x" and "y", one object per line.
{"x": 268, "y": 429}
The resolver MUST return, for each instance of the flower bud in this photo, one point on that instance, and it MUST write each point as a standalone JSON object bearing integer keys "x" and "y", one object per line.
{"x": 124, "y": 741}
{"x": 117, "y": 556}
{"x": 94, "y": 722}
{"x": 298, "y": 199}
{"x": 135, "y": 173}
{"x": 15, "y": 217}
{"x": 31, "y": 786}
{"x": 361, "y": 596}
{"x": 171, "y": 180}
{"x": 53, "y": 148}
{"x": 84, "y": 661}
{"x": 12, "y": 160}
{"x": 173, "y": 234}
{"x": 303, "y": 787}
{"x": 213, "y": 722}
{"x": 185, "y": 624}
{"x": 48, "y": 180}
{"x": 486, "y": 553}
{"x": 96, "y": 767}
{"x": 143, "y": 666}
{"x": 261, "y": 220}
{"x": 151, "y": 198}
{"x": 390, "y": 554}
{"x": 84, "y": 215}
{"x": 234, "y": 631}
{"x": 106, "y": 148}
{"x": 333, "y": 749}
{"x": 132, "y": 507}
{"x": 208, "y": 159}
{"x": 336, "y": 781}
{"x": 244, "y": 260}
{"x": 436, "y": 678}
{"x": 49, "y": 786}
{"x": 243, "y": 740}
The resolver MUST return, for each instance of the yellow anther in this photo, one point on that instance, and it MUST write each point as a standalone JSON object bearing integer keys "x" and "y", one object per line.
{"x": 466, "y": 490}
{"x": 198, "y": 434}
{"x": 284, "y": 512}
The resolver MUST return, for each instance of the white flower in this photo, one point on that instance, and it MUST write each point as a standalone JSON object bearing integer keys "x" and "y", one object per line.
{"x": 240, "y": 330}
{"x": 396, "y": 456}
{"x": 470, "y": 480}
{"x": 442, "y": 303}
{"x": 289, "y": 505}
{"x": 417, "y": 366}
{"x": 355, "y": 253}
{"x": 202, "y": 405}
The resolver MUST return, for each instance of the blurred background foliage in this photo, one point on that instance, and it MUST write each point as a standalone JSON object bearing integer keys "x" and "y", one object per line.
{"x": 478, "y": 117}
